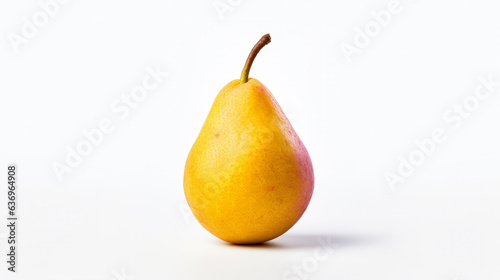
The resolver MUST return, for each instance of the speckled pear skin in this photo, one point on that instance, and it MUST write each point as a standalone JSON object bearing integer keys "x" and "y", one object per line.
{"x": 248, "y": 177}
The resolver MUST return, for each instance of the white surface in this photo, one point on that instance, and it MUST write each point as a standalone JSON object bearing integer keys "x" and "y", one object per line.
{"x": 122, "y": 210}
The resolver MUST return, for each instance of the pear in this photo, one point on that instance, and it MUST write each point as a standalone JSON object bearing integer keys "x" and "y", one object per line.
{"x": 248, "y": 177}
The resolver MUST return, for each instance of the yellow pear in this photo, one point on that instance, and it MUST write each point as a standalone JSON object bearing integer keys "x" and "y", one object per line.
{"x": 248, "y": 177}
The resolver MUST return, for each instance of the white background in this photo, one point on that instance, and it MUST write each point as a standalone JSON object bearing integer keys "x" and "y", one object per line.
{"x": 122, "y": 212}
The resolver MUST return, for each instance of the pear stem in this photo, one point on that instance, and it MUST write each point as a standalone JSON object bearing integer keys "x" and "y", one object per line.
{"x": 266, "y": 39}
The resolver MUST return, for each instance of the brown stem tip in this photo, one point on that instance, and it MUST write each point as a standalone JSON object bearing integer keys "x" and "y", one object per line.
{"x": 266, "y": 39}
